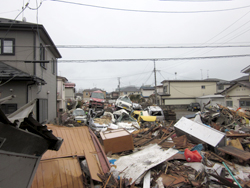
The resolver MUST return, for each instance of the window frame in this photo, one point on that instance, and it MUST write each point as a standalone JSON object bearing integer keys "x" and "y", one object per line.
{"x": 53, "y": 66}
{"x": 6, "y": 108}
{"x": 231, "y": 103}
{"x": 42, "y": 55}
{"x": 2, "y": 46}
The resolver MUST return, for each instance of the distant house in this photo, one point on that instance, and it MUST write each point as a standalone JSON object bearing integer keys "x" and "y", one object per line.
{"x": 87, "y": 93}
{"x": 28, "y": 64}
{"x": 61, "y": 99}
{"x": 129, "y": 90}
{"x": 238, "y": 94}
{"x": 70, "y": 90}
{"x": 184, "y": 92}
{"x": 146, "y": 91}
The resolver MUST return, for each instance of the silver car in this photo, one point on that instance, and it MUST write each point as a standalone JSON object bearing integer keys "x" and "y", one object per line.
{"x": 80, "y": 116}
{"x": 156, "y": 111}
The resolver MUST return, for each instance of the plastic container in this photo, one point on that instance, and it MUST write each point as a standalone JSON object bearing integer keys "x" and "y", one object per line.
{"x": 192, "y": 156}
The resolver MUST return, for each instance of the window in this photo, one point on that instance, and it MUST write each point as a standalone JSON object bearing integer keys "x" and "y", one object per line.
{"x": 125, "y": 92}
{"x": 244, "y": 103}
{"x": 229, "y": 103}
{"x": 42, "y": 55}
{"x": 203, "y": 87}
{"x": 220, "y": 87}
{"x": 7, "y": 46}
{"x": 8, "y": 108}
{"x": 165, "y": 89}
{"x": 53, "y": 66}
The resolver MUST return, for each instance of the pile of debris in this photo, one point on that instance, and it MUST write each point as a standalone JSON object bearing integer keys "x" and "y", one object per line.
{"x": 209, "y": 150}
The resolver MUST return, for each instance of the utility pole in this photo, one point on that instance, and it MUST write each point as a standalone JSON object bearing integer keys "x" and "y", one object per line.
{"x": 119, "y": 86}
{"x": 155, "y": 85}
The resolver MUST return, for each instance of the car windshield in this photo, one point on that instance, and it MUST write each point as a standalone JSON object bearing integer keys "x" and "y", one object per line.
{"x": 97, "y": 95}
{"x": 79, "y": 113}
{"x": 126, "y": 99}
{"x": 195, "y": 104}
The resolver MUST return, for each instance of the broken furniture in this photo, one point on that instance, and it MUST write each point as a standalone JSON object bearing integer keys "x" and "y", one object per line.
{"x": 118, "y": 140}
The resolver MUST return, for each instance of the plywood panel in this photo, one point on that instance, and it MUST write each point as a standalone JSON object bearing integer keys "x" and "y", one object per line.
{"x": 60, "y": 173}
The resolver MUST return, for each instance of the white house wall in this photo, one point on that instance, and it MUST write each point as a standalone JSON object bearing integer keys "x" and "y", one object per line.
{"x": 191, "y": 89}
{"x": 147, "y": 93}
{"x": 178, "y": 101}
{"x": 236, "y": 94}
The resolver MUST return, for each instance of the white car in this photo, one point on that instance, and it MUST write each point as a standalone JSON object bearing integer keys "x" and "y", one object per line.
{"x": 124, "y": 102}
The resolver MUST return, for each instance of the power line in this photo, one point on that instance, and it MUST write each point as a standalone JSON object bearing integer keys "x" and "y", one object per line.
{"x": 154, "y": 59}
{"x": 133, "y": 46}
{"x": 147, "y": 59}
{"x": 149, "y": 11}
{"x": 147, "y": 46}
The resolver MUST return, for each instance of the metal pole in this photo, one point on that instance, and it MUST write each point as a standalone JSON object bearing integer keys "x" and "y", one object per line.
{"x": 119, "y": 86}
{"x": 155, "y": 85}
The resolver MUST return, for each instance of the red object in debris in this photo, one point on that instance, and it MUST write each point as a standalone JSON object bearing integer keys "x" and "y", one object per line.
{"x": 192, "y": 156}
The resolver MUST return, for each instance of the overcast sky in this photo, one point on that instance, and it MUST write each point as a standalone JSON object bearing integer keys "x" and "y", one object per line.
{"x": 142, "y": 23}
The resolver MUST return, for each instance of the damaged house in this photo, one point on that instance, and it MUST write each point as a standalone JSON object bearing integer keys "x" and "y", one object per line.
{"x": 28, "y": 68}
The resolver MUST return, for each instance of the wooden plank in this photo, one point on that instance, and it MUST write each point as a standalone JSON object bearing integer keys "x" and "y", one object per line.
{"x": 244, "y": 155}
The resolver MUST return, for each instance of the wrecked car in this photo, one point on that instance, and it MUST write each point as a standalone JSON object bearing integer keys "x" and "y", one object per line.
{"x": 194, "y": 106}
{"x": 142, "y": 116}
{"x": 124, "y": 102}
{"x": 137, "y": 106}
{"x": 96, "y": 99}
{"x": 155, "y": 111}
{"x": 124, "y": 120}
{"x": 79, "y": 115}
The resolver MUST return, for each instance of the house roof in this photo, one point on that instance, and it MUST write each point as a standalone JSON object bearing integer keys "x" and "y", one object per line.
{"x": 62, "y": 78}
{"x": 90, "y": 90}
{"x": 147, "y": 87}
{"x": 12, "y": 25}
{"x": 243, "y": 78}
{"x": 246, "y": 70}
{"x": 211, "y": 96}
{"x": 8, "y": 72}
{"x": 129, "y": 89}
{"x": 241, "y": 83}
{"x": 70, "y": 84}
{"x": 206, "y": 80}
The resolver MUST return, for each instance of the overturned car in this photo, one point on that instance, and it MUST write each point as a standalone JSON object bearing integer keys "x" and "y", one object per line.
{"x": 124, "y": 102}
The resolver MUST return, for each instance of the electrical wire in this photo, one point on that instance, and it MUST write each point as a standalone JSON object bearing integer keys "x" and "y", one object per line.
{"x": 219, "y": 33}
{"x": 147, "y": 59}
{"x": 148, "y": 11}
{"x": 154, "y": 59}
{"x": 15, "y": 20}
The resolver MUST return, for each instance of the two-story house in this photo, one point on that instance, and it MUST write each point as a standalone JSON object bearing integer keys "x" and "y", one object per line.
{"x": 130, "y": 90}
{"x": 61, "y": 99}
{"x": 184, "y": 92}
{"x": 28, "y": 68}
{"x": 238, "y": 94}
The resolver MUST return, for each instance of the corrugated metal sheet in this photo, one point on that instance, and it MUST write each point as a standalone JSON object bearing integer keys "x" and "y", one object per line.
{"x": 76, "y": 140}
{"x": 63, "y": 172}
